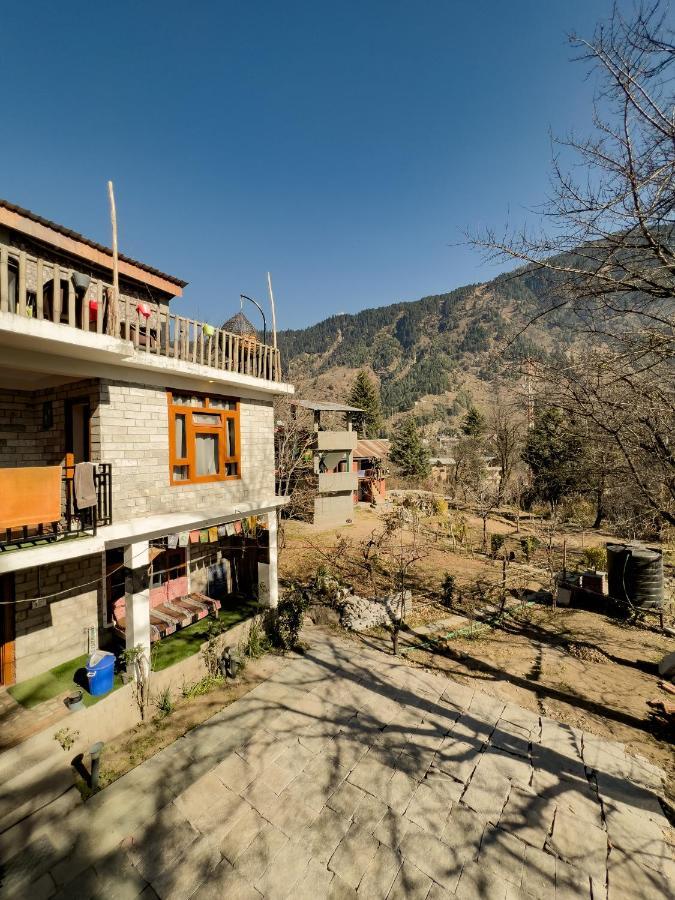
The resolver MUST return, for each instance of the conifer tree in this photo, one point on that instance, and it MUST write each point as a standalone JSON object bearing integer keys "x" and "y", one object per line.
{"x": 473, "y": 423}
{"x": 407, "y": 450}
{"x": 366, "y": 396}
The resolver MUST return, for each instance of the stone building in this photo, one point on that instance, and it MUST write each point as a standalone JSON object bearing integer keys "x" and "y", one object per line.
{"x": 168, "y": 421}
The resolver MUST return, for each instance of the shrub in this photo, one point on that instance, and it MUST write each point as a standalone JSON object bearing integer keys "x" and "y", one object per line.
{"x": 448, "y": 589}
{"x": 257, "y": 642}
{"x": 287, "y": 623}
{"x": 212, "y": 651}
{"x": 66, "y": 737}
{"x": 203, "y": 686}
{"x": 496, "y": 543}
{"x": 164, "y": 703}
{"x": 595, "y": 558}
{"x": 440, "y": 505}
{"x": 529, "y": 545}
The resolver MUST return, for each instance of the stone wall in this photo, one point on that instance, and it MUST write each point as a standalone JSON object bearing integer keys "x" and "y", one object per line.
{"x": 135, "y": 439}
{"x": 23, "y": 439}
{"x": 56, "y": 632}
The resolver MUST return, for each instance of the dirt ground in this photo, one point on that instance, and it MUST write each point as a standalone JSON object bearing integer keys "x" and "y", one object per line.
{"x": 138, "y": 744}
{"x": 579, "y": 666}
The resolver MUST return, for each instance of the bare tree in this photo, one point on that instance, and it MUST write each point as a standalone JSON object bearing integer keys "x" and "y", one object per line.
{"x": 609, "y": 257}
{"x": 294, "y": 439}
{"x": 507, "y": 438}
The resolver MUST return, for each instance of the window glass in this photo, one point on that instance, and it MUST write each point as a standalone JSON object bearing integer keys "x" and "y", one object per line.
{"x": 206, "y": 419}
{"x": 220, "y": 403}
{"x": 13, "y": 281}
{"x": 206, "y": 446}
{"x": 181, "y": 438}
{"x": 180, "y": 473}
{"x": 232, "y": 468}
{"x": 231, "y": 447}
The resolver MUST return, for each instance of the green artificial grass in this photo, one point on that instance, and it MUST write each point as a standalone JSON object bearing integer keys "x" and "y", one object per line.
{"x": 166, "y": 652}
{"x": 187, "y": 641}
{"x": 58, "y": 680}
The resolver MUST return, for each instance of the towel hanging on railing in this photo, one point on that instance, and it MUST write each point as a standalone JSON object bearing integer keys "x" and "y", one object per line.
{"x": 85, "y": 489}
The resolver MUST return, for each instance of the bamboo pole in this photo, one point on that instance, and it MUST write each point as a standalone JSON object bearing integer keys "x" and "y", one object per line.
{"x": 113, "y": 313}
{"x": 277, "y": 360}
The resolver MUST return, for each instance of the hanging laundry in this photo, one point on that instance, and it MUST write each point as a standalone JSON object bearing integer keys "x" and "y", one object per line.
{"x": 237, "y": 527}
{"x": 183, "y": 539}
{"x": 194, "y": 537}
{"x": 172, "y": 541}
{"x": 222, "y": 531}
{"x": 252, "y": 523}
{"x": 213, "y": 534}
{"x": 230, "y": 530}
{"x": 204, "y": 536}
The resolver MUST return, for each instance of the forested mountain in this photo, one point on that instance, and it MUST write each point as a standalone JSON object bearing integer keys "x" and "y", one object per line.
{"x": 430, "y": 346}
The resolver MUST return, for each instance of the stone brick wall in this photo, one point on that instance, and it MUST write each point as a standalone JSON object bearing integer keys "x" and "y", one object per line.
{"x": 24, "y": 441}
{"x": 56, "y": 632}
{"x": 134, "y": 435}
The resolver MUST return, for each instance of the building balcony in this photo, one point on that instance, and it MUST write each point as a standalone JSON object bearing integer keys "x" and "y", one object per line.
{"x": 336, "y": 440}
{"x": 38, "y": 290}
{"x": 38, "y": 505}
{"x": 337, "y": 482}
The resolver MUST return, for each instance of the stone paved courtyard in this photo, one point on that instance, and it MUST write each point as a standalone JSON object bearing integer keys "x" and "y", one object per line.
{"x": 351, "y": 774}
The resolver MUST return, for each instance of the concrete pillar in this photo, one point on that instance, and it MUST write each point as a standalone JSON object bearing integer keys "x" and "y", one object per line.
{"x": 137, "y": 595}
{"x": 268, "y": 585}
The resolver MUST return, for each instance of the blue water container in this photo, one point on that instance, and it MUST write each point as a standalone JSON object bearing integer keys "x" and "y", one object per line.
{"x": 100, "y": 672}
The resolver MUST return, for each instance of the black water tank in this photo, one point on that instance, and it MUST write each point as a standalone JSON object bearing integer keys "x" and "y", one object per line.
{"x": 635, "y": 575}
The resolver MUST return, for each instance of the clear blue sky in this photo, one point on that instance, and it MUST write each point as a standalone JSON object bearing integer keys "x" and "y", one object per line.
{"x": 343, "y": 146}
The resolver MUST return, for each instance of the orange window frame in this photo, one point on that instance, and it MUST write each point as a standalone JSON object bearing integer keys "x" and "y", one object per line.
{"x": 192, "y": 429}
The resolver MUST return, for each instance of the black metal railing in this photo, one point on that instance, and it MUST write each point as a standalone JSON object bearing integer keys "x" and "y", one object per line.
{"x": 73, "y": 521}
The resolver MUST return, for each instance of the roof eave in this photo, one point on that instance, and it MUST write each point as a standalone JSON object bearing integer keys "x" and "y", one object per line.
{"x": 33, "y": 226}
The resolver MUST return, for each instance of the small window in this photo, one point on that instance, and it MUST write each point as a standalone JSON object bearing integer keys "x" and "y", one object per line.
{"x": 204, "y": 439}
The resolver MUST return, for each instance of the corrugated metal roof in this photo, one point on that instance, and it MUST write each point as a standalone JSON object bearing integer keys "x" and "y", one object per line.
{"x": 322, "y": 406}
{"x": 76, "y": 236}
{"x": 378, "y": 448}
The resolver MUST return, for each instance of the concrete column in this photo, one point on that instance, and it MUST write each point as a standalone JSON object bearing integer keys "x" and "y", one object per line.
{"x": 137, "y": 595}
{"x": 268, "y": 585}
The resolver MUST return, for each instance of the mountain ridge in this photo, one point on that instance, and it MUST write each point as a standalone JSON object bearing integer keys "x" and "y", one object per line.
{"x": 427, "y": 348}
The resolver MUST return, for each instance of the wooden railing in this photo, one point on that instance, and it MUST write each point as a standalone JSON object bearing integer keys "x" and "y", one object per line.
{"x": 27, "y": 288}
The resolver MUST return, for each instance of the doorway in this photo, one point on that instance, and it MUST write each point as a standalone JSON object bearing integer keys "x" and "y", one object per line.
{"x": 78, "y": 430}
{"x": 7, "y": 633}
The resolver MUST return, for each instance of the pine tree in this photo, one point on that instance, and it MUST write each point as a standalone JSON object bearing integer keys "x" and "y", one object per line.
{"x": 554, "y": 454}
{"x": 407, "y": 450}
{"x": 366, "y": 396}
{"x": 473, "y": 423}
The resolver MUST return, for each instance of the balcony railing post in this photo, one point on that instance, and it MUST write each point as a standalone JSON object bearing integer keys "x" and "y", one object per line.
{"x": 39, "y": 290}
{"x": 174, "y": 336}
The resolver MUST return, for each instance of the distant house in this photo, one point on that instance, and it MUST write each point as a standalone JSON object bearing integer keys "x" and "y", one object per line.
{"x": 369, "y": 464}
{"x": 329, "y": 475}
{"x": 441, "y": 468}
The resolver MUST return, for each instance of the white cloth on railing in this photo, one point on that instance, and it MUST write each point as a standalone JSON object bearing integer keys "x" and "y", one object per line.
{"x": 85, "y": 488}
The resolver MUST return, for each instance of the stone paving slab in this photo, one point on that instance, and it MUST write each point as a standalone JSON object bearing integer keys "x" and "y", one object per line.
{"x": 350, "y": 774}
